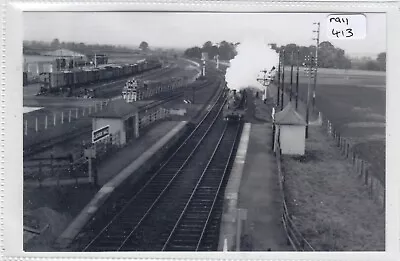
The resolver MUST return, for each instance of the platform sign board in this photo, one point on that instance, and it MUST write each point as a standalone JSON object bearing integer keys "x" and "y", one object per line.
{"x": 101, "y": 133}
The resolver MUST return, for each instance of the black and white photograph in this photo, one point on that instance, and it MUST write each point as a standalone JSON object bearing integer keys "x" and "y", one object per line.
{"x": 203, "y": 131}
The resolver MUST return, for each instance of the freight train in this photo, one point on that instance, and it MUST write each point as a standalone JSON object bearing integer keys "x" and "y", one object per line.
{"x": 234, "y": 108}
{"x": 136, "y": 90}
{"x": 56, "y": 81}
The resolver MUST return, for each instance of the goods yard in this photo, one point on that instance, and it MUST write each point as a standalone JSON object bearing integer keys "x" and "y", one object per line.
{"x": 69, "y": 81}
{"x": 181, "y": 183}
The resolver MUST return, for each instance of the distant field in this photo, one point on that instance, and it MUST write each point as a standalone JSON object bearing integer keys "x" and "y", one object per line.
{"x": 358, "y": 113}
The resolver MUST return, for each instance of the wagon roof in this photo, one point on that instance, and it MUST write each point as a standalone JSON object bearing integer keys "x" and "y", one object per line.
{"x": 117, "y": 109}
{"x": 289, "y": 116}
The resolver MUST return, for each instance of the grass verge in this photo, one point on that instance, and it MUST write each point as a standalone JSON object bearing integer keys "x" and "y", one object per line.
{"x": 329, "y": 204}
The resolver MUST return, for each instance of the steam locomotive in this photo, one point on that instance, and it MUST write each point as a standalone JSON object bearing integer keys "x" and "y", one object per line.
{"x": 235, "y": 105}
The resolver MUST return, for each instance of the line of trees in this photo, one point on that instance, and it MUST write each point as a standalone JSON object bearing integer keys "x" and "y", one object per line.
{"x": 36, "y": 47}
{"x": 329, "y": 56}
{"x": 224, "y": 49}
{"x": 367, "y": 63}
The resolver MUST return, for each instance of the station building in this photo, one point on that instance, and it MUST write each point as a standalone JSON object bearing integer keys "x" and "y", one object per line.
{"x": 122, "y": 119}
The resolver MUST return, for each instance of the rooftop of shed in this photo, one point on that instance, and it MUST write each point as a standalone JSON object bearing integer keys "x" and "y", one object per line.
{"x": 289, "y": 116}
{"x": 117, "y": 109}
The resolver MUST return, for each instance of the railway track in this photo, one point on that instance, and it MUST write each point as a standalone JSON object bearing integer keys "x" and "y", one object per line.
{"x": 198, "y": 225}
{"x": 150, "y": 213}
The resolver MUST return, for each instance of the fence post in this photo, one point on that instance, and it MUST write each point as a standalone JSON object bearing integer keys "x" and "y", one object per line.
{"x": 45, "y": 122}
{"x": 51, "y": 164}
{"x": 26, "y": 127}
{"x": 76, "y": 113}
{"x": 348, "y": 148}
{"x": 54, "y": 119}
{"x": 69, "y": 116}
{"x": 95, "y": 107}
{"x": 362, "y": 168}
{"x": 344, "y": 146}
{"x": 371, "y": 185}
{"x": 328, "y": 127}
{"x": 356, "y": 163}
{"x": 36, "y": 124}
{"x": 62, "y": 117}
{"x": 83, "y": 111}
{"x": 40, "y": 174}
{"x": 366, "y": 177}
{"x": 101, "y": 106}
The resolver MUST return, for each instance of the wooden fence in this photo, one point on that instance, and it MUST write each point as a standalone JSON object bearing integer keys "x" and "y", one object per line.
{"x": 40, "y": 169}
{"x": 374, "y": 183}
{"x": 34, "y": 125}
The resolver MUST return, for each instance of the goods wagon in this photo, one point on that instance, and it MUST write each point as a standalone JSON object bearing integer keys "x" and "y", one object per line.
{"x": 79, "y": 78}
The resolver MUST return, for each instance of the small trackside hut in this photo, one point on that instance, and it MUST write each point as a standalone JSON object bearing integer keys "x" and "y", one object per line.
{"x": 122, "y": 119}
{"x": 290, "y": 128}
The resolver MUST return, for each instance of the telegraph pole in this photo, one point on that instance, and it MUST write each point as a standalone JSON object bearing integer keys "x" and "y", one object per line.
{"x": 291, "y": 77}
{"x": 279, "y": 79}
{"x": 297, "y": 77}
{"x": 283, "y": 79}
{"x": 310, "y": 74}
{"x": 316, "y": 62}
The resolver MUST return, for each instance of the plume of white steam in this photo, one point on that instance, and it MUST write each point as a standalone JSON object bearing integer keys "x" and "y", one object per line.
{"x": 253, "y": 56}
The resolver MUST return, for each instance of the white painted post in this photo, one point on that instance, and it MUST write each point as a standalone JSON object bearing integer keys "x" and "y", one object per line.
{"x": 241, "y": 215}
{"x": 36, "y": 124}
{"x": 54, "y": 119}
{"x": 45, "y": 122}
{"x": 69, "y": 116}
{"x": 225, "y": 248}
{"x": 76, "y": 113}
{"x": 62, "y": 117}
{"x": 26, "y": 127}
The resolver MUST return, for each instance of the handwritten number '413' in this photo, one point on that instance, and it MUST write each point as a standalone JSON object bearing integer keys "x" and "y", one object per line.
{"x": 349, "y": 33}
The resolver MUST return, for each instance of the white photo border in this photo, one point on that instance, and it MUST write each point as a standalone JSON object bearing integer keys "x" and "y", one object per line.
{"x": 11, "y": 178}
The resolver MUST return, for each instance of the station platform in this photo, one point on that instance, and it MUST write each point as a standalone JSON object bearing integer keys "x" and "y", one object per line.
{"x": 126, "y": 165}
{"x": 253, "y": 186}
{"x": 122, "y": 158}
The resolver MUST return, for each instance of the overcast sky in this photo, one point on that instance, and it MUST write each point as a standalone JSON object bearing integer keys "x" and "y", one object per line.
{"x": 185, "y": 30}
